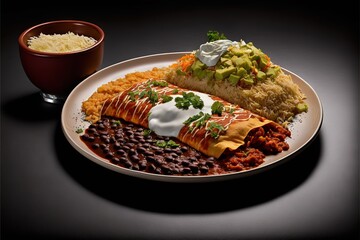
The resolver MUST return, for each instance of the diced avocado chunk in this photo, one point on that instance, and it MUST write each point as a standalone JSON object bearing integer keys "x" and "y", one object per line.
{"x": 302, "y": 107}
{"x": 247, "y": 80}
{"x": 223, "y": 59}
{"x": 270, "y": 72}
{"x": 209, "y": 74}
{"x": 234, "y": 79}
{"x": 243, "y": 62}
{"x": 241, "y": 72}
{"x": 180, "y": 72}
{"x": 264, "y": 60}
{"x": 201, "y": 74}
{"x": 238, "y": 51}
{"x": 197, "y": 65}
{"x": 228, "y": 63}
{"x": 224, "y": 73}
{"x": 261, "y": 75}
{"x": 197, "y": 68}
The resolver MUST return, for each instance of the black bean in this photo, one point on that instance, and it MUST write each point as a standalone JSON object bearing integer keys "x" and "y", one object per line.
{"x": 123, "y": 159}
{"x": 132, "y": 152}
{"x": 103, "y": 145}
{"x": 158, "y": 161}
{"x": 126, "y": 148}
{"x": 175, "y": 170}
{"x": 135, "y": 167}
{"x": 115, "y": 160}
{"x": 194, "y": 168}
{"x": 90, "y": 139}
{"x": 142, "y": 164}
{"x": 166, "y": 169}
{"x": 159, "y": 151}
{"x": 109, "y": 155}
{"x": 174, "y": 155}
{"x": 129, "y": 144}
{"x": 141, "y": 149}
{"x": 150, "y": 158}
{"x": 135, "y": 158}
{"x": 204, "y": 169}
{"x": 128, "y": 164}
{"x": 152, "y": 167}
{"x": 95, "y": 146}
{"x": 169, "y": 158}
{"x": 168, "y": 150}
{"x": 120, "y": 152}
{"x": 133, "y": 140}
{"x": 185, "y": 162}
{"x": 193, "y": 159}
{"x": 117, "y": 145}
{"x": 103, "y": 132}
{"x": 185, "y": 170}
{"x": 148, "y": 153}
{"x": 184, "y": 148}
{"x": 106, "y": 150}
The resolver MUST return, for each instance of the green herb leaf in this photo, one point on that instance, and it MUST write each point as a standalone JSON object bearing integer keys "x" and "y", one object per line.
{"x": 189, "y": 99}
{"x": 147, "y": 132}
{"x": 160, "y": 143}
{"x": 159, "y": 83}
{"x": 215, "y": 129}
{"x": 215, "y": 35}
{"x": 166, "y": 98}
{"x": 79, "y": 130}
{"x": 163, "y": 144}
{"x": 217, "y": 108}
{"x": 197, "y": 120}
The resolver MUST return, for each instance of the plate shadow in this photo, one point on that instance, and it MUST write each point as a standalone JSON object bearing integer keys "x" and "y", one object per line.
{"x": 33, "y": 109}
{"x": 180, "y": 198}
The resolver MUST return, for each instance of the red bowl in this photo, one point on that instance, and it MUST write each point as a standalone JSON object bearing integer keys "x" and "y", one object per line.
{"x": 59, "y": 73}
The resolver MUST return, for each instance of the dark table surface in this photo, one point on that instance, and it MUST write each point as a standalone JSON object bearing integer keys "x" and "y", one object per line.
{"x": 50, "y": 191}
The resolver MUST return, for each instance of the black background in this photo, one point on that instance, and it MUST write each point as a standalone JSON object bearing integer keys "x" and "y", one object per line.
{"x": 50, "y": 191}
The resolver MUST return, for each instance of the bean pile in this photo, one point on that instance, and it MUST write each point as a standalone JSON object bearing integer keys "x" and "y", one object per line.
{"x": 131, "y": 146}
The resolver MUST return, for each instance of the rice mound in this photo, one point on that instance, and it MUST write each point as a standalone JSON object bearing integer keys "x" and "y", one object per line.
{"x": 275, "y": 99}
{"x": 92, "y": 106}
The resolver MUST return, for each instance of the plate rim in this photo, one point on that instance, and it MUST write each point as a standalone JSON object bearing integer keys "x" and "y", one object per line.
{"x": 174, "y": 178}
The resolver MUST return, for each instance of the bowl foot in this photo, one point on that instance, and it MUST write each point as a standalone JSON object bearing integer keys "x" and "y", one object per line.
{"x": 52, "y": 98}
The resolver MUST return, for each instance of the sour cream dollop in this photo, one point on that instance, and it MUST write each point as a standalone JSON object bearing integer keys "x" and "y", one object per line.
{"x": 167, "y": 120}
{"x": 209, "y": 53}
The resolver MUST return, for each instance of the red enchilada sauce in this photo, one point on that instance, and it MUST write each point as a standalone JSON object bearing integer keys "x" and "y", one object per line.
{"x": 131, "y": 146}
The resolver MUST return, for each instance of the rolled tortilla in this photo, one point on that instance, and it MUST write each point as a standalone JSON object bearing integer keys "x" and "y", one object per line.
{"x": 210, "y": 133}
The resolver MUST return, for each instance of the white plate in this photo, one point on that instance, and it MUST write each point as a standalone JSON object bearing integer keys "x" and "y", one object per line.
{"x": 304, "y": 129}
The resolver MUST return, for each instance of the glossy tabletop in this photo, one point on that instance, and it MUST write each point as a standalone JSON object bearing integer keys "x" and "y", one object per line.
{"x": 51, "y": 191}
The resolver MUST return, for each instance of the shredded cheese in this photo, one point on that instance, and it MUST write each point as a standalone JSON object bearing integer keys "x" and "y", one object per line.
{"x": 60, "y": 43}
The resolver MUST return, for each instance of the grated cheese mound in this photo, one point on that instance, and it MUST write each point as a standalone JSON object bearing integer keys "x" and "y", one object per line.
{"x": 60, "y": 43}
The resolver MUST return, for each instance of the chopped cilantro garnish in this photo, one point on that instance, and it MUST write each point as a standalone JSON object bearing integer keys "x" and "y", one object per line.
{"x": 215, "y": 129}
{"x": 147, "y": 132}
{"x": 197, "y": 120}
{"x": 117, "y": 122}
{"x": 163, "y": 144}
{"x": 215, "y": 35}
{"x": 166, "y": 98}
{"x": 217, "y": 108}
{"x": 187, "y": 100}
{"x": 159, "y": 83}
{"x": 79, "y": 130}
